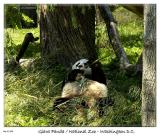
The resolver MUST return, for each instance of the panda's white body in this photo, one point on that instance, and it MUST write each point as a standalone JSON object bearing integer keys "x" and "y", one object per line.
{"x": 94, "y": 89}
{"x": 70, "y": 90}
{"x": 89, "y": 88}
{"x": 92, "y": 92}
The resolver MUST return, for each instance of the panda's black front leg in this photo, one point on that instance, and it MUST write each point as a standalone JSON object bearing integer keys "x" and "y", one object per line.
{"x": 84, "y": 104}
{"x": 64, "y": 82}
{"x": 100, "y": 105}
{"x": 104, "y": 102}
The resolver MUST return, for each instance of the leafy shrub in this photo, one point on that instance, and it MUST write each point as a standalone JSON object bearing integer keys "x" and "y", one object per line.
{"x": 14, "y": 17}
{"x": 27, "y": 21}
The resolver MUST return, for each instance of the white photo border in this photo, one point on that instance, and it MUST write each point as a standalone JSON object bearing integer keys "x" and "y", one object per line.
{"x": 47, "y": 131}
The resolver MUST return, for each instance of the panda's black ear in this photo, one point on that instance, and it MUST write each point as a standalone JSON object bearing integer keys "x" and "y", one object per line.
{"x": 72, "y": 75}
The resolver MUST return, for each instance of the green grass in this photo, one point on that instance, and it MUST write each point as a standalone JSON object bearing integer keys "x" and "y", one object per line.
{"x": 29, "y": 92}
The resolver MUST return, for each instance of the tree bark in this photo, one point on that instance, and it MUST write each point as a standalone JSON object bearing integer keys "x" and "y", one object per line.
{"x": 87, "y": 25}
{"x": 66, "y": 36}
{"x": 149, "y": 67}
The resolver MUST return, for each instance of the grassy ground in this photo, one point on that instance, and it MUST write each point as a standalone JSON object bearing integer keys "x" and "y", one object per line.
{"x": 29, "y": 92}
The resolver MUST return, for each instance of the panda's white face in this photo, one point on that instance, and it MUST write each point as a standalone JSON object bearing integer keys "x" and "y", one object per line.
{"x": 82, "y": 64}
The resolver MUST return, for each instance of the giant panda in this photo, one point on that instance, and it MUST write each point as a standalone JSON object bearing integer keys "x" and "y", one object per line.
{"x": 79, "y": 86}
{"x": 92, "y": 70}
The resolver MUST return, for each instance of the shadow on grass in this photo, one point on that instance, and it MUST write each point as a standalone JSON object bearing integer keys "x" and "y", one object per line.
{"x": 120, "y": 80}
{"x": 125, "y": 90}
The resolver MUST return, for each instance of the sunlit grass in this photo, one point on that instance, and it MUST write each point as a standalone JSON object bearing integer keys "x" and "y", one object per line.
{"x": 18, "y": 34}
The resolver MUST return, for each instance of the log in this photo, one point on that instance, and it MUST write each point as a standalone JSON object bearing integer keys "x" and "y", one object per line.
{"x": 114, "y": 36}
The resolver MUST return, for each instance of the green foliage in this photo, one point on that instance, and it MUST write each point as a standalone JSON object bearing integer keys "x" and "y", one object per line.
{"x": 27, "y": 20}
{"x": 100, "y": 34}
{"x": 12, "y": 16}
{"x": 8, "y": 46}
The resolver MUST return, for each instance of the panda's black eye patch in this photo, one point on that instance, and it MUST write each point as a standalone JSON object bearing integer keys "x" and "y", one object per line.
{"x": 77, "y": 64}
{"x": 86, "y": 64}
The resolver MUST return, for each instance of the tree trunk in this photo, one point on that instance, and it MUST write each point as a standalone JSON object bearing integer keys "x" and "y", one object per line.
{"x": 66, "y": 36}
{"x": 149, "y": 67}
{"x": 87, "y": 25}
